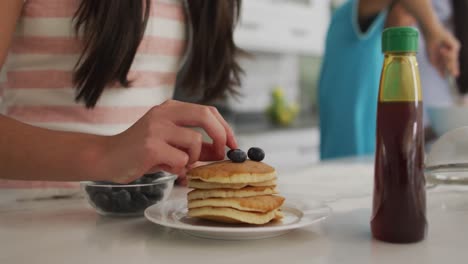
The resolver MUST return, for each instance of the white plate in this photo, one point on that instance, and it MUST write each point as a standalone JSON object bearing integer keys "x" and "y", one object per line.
{"x": 297, "y": 214}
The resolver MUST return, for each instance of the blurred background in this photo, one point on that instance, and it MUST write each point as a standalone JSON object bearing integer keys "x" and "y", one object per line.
{"x": 278, "y": 107}
{"x": 285, "y": 41}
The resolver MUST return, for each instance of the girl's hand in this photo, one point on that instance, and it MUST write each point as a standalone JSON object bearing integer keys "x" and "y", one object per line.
{"x": 443, "y": 50}
{"x": 161, "y": 140}
{"x": 182, "y": 180}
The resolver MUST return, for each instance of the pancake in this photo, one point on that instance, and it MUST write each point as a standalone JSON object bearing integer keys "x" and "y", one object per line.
{"x": 262, "y": 204}
{"x": 197, "y": 184}
{"x": 233, "y": 216}
{"x": 230, "y": 193}
{"x": 230, "y": 172}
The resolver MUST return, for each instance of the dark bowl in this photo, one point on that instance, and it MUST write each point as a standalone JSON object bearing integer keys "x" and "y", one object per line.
{"x": 112, "y": 199}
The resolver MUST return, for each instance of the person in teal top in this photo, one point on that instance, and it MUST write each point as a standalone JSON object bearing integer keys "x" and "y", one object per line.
{"x": 349, "y": 79}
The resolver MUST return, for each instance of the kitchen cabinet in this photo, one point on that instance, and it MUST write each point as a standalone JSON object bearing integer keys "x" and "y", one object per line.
{"x": 264, "y": 72}
{"x": 277, "y": 33}
{"x": 284, "y": 26}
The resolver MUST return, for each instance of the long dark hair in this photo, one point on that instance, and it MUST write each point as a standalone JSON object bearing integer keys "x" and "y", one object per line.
{"x": 113, "y": 30}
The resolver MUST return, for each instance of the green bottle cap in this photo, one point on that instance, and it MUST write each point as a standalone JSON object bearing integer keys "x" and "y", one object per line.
{"x": 400, "y": 39}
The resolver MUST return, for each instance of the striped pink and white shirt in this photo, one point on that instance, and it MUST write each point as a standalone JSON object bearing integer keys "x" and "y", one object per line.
{"x": 36, "y": 81}
{"x": 38, "y": 89}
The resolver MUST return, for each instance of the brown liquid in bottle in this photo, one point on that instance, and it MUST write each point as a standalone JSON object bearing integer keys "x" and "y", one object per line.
{"x": 399, "y": 206}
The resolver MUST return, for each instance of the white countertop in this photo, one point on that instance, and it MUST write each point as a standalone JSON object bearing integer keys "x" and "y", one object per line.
{"x": 69, "y": 231}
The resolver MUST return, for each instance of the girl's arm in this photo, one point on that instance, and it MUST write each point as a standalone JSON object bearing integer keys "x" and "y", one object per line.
{"x": 160, "y": 140}
{"x": 31, "y": 153}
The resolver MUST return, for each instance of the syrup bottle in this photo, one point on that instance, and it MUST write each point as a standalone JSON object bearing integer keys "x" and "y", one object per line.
{"x": 399, "y": 202}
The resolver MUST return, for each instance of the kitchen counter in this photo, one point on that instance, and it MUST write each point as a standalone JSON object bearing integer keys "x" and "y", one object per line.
{"x": 69, "y": 231}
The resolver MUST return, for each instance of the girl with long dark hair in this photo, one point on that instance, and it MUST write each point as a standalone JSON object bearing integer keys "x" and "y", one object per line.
{"x": 86, "y": 86}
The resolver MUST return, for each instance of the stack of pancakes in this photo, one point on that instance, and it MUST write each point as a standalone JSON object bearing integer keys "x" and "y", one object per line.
{"x": 231, "y": 192}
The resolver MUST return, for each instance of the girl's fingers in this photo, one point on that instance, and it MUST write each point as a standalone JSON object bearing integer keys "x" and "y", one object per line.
{"x": 182, "y": 181}
{"x": 434, "y": 59}
{"x": 449, "y": 51}
{"x": 231, "y": 139}
{"x": 201, "y": 116}
{"x": 186, "y": 139}
{"x": 171, "y": 159}
{"x": 197, "y": 164}
{"x": 164, "y": 168}
{"x": 208, "y": 153}
{"x": 450, "y": 59}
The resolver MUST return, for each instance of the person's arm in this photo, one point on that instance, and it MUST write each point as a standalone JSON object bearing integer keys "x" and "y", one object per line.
{"x": 369, "y": 8}
{"x": 420, "y": 9}
{"x": 31, "y": 153}
{"x": 424, "y": 13}
{"x": 160, "y": 140}
{"x": 442, "y": 47}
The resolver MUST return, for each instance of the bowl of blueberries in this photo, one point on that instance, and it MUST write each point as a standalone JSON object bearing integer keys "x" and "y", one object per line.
{"x": 113, "y": 199}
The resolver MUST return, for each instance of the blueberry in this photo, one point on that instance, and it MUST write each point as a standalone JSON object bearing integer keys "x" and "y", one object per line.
{"x": 256, "y": 154}
{"x": 155, "y": 195}
{"x": 146, "y": 179}
{"x": 141, "y": 180}
{"x": 155, "y": 176}
{"x": 147, "y": 189}
{"x": 237, "y": 155}
{"x": 104, "y": 183}
{"x": 162, "y": 186}
{"x": 137, "y": 181}
{"x": 91, "y": 190}
{"x": 102, "y": 201}
{"x": 121, "y": 200}
{"x": 117, "y": 189}
{"x": 155, "y": 190}
{"x": 139, "y": 201}
{"x": 229, "y": 153}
